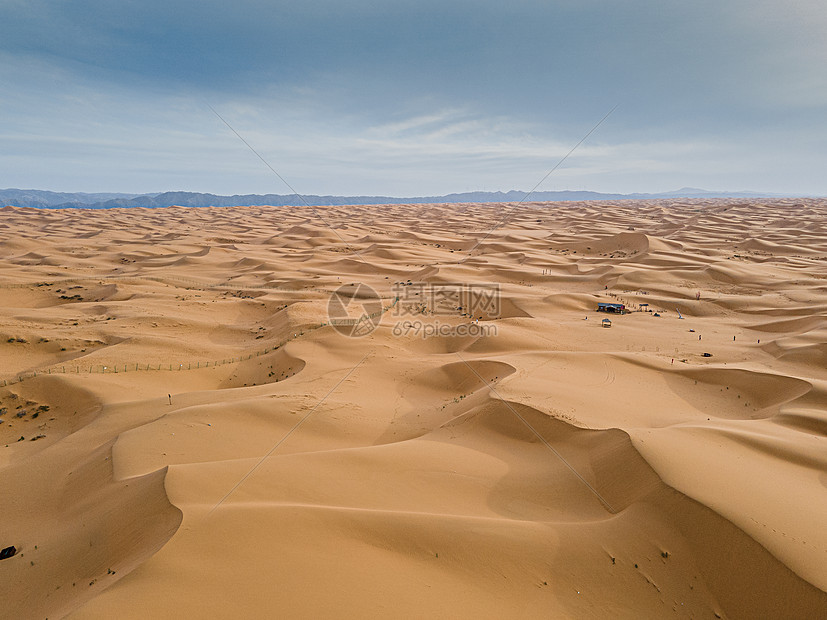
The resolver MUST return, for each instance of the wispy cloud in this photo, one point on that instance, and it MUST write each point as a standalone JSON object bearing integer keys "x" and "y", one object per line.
{"x": 412, "y": 97}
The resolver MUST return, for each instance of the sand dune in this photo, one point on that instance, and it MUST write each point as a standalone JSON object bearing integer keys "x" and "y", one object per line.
{"x": 185, "y": 434}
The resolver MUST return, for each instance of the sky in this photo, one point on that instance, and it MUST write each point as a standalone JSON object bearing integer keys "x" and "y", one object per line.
{"x": 413, "y": 97}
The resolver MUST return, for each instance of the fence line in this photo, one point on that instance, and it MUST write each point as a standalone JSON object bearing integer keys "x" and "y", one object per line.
{"x": 188, "y": 283}
{"x": 180, "y": 366}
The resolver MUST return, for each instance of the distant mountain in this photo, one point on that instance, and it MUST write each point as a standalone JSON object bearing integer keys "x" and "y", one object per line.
{"x": 58, "y": 200}
{"x": 42, "y": 199}
{"x": 692, "y": 192}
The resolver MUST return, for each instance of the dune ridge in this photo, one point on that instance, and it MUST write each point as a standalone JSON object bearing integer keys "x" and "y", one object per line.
{"x": 485, "y": 449}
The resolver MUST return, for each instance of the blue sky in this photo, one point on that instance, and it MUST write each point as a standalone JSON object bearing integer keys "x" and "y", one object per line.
{"x": 413, "y": 97}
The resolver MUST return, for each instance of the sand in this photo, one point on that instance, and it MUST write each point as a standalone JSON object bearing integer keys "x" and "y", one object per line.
{"x": 185, "y": 434}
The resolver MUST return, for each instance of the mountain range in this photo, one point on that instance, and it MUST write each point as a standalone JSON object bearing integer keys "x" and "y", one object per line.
{"x": 79, "y": 200}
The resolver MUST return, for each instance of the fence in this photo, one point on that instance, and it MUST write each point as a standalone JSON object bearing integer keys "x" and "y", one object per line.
{"x": 173, "y": 366}
{"x": 188, "y": 283}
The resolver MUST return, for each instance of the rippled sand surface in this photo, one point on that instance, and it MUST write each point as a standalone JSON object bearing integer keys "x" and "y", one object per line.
{"x": 185, "y": 435}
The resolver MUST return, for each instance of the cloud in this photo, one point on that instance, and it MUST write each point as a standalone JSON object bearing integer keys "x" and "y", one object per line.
{"x": 374, "y": 97}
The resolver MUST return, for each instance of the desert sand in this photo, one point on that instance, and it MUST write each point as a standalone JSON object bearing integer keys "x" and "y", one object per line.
{"x": 185, "y": 435}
